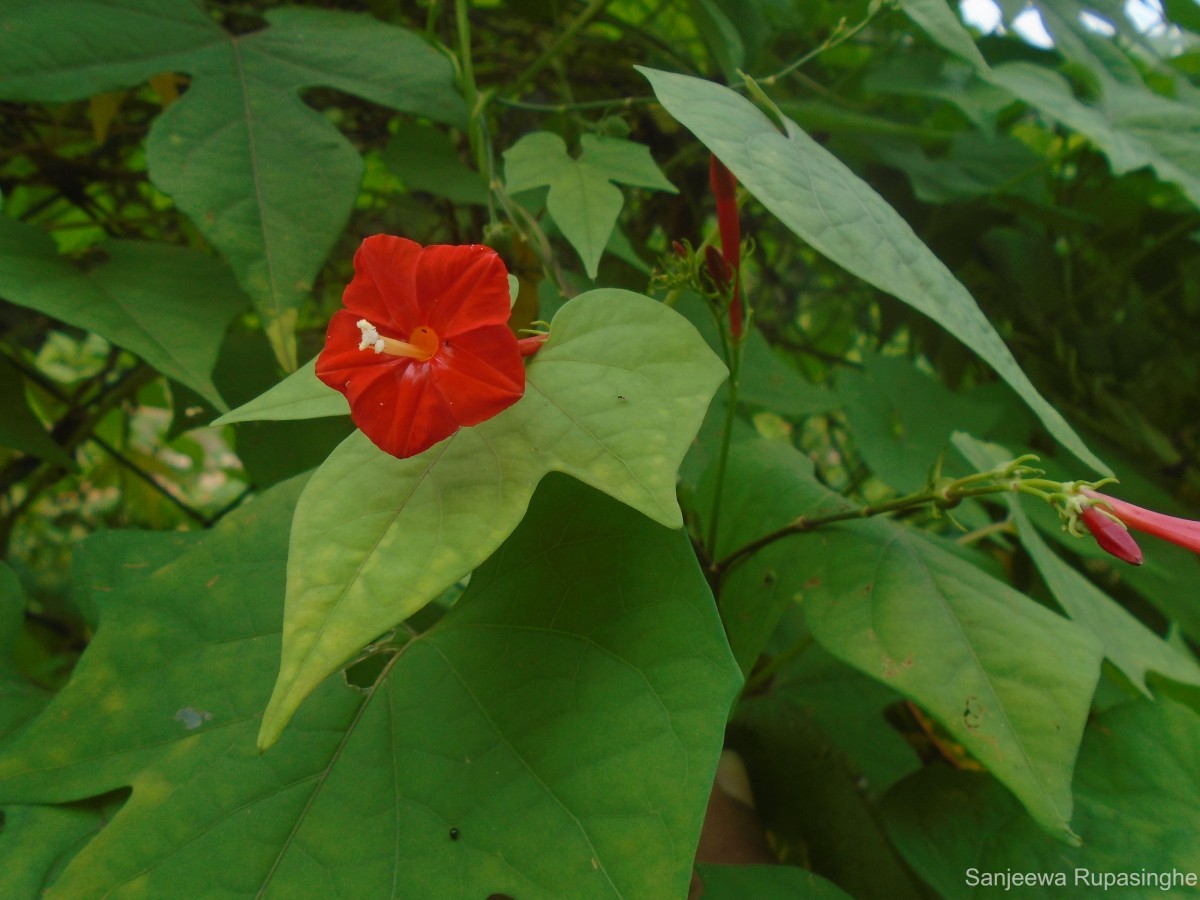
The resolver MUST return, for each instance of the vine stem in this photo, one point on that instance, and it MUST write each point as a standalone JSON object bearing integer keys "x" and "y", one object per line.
{"x": 762, "y": 676}
{"x": 732, "y": 350}
{"x": 589, "y": 12}
{"x": 462, "y": 24}
{"x": 560, "y": 108}
{"x": 941, "y": 498}
{"x": 840, "y": 35}
{"x": 477, "y": 101}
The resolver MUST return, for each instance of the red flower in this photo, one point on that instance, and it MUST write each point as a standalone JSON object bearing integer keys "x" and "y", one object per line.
{"x": 1184, "y": 532}
{"x": 724, "y": 188}
{"x": 421, "y": 348}
{"x": 1112, "y": 536}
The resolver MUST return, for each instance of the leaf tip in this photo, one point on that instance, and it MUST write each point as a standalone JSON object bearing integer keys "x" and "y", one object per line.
{"x": 285, "y": 700}
{"x": 273, "y": 723}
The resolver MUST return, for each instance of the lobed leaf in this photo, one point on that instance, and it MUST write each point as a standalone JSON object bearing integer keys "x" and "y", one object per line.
{"x": 1132, "y": 126}
{"x": 582, "y": 198}
{"x": 614, "y": 398}
{"x": 266, "y": 179}
{"x": 72, "y": 49}
{"x": 37, "y": 841}
{"x": 1128, "y": 644}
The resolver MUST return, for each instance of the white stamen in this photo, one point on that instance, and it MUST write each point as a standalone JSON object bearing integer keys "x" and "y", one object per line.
{"x": 370, "y": 336}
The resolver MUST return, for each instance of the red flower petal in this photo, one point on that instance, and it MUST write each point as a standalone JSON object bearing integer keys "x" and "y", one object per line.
{"x": 460, "y": 288}
{"x": 479, "y": 373}
{"x": 460, "y": 294}
{"x": 402, "y": 411}
{"x": 1113, "y": 537}
{"x": 383, "y": 289}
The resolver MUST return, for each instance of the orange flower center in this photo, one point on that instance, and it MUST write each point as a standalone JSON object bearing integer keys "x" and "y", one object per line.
{"x": 421, "y": 345}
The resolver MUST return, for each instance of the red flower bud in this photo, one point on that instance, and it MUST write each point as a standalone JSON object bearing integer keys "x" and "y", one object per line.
{"x": 717, "y": 267}
{"x": 1184, "y": 532}
{"x": 679, "y": 249}
{"x": 531, "y": 345}
{"x": 1112, "y": 536}
{"x": 724, "y": 188}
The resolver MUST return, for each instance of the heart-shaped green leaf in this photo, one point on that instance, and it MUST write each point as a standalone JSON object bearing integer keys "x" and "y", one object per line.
{"x": 614, "y": 398}
{"x": 554, "y": 735}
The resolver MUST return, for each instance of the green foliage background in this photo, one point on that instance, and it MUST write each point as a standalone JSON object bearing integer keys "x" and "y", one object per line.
{"x": 550, "y": 672}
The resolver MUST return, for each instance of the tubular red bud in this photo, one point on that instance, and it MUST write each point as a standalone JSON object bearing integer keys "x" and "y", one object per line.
{"x": 1184, "y": 532}
{"x": 724, "y": 188}
{"x": 1112, "y": 536}
{"x": 679, "y": 249}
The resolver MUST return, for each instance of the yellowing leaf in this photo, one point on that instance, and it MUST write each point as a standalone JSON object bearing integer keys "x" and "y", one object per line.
{"x": 166, "y": 86}
{"x": 102, "y": 110}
